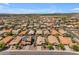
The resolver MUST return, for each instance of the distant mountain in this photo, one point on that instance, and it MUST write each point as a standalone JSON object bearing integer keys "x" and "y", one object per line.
{"x": 46, "y": 14}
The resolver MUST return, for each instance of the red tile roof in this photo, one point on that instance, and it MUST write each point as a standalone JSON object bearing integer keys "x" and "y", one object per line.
{"x": 15, "y": 41}
{"x": 23, "y": 43}
{"x": 54, "y": 32}
{"x": 52, "y": 40}
{"x": 7, "y": 30}
{"x": 23, "y": 33}
{"x": 7, "y": 39}
{"x": 65, "y": 40}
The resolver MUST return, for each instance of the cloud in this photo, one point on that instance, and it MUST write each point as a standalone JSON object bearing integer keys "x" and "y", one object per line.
{"x": 3, "y": 6}
{"x": 6, "y": 4}
{"x": 75, "y": 9}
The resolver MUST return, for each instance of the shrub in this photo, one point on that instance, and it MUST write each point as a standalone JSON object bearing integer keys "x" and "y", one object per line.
{"x": 75, "y": 47}
{"x": 46, "y": 41}
{"x": 44, "y": 45}
{"x": 9, "y": 34}
{"x": 50, "y": 46}
{"x": 73, "y": 41}
{"x": 61, "y": 46}
{"x": 66, "y": 35}
{"x": 17, "y": 46}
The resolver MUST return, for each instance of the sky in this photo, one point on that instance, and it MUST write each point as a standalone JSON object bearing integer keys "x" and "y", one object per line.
{"x": 23, "y": 8}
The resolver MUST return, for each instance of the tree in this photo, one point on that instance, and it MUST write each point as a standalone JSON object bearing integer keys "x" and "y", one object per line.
{"x": 2, "y": 45}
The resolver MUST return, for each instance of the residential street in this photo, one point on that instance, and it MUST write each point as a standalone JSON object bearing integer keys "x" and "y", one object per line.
{"x": 36, "y": 53}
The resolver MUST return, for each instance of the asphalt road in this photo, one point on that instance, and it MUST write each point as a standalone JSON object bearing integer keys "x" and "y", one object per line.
{"x": 35, "y": 53}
